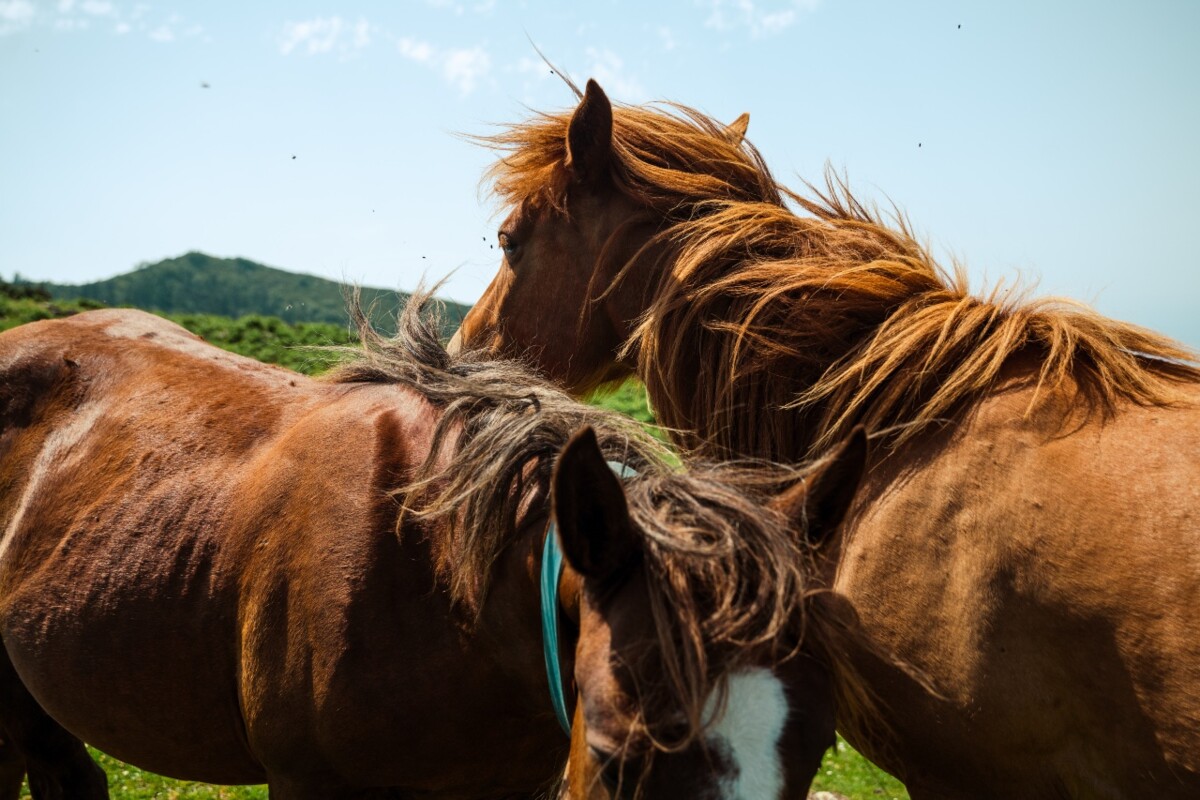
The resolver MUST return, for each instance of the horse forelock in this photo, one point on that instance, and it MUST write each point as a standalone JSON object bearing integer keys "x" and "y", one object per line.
{"x": 664, "y": 157}
{"x": 728, "y": 584}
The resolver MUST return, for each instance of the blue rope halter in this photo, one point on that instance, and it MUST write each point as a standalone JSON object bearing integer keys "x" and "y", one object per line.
{"x": 552, "y": 569}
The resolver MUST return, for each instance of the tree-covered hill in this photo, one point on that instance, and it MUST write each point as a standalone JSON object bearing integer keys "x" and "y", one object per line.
{"x": 197, "y": 283}
{"x": 302, "y": 346}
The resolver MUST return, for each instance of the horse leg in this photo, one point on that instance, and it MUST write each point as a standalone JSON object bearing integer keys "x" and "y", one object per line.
{"x": 57, "y": 763}
{"x": 12, "y": 769}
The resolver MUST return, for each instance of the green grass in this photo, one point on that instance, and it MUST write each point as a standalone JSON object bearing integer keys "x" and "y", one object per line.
{"x": 130, "y": 783}
{"x": 847, "y": 773}
{"x": 843, "y": 771}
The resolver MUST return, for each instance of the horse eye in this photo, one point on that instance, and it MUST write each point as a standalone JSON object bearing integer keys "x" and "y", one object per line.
{"x": 508, "y": 246}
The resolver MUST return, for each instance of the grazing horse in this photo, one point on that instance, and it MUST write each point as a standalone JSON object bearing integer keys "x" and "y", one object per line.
{"x": 1026, "y": 540}
{"x": 223, "y": 571}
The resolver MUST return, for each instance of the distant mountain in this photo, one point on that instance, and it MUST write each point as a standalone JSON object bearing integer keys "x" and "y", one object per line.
{"x": 196, "y": 283}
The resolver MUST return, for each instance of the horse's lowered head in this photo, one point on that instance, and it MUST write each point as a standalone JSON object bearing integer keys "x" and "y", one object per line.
{"x": 698, "y": 666}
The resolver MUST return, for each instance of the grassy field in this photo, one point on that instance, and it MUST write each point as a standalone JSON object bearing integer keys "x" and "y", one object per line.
{"x": 843, "y": 771}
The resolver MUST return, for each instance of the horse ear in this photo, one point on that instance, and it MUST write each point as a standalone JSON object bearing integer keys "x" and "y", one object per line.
{"x": 821, "y": 500}
{"x": 737, "y": 129}
{"x": 589, "y": 134}
{"x": 590, "y": 508}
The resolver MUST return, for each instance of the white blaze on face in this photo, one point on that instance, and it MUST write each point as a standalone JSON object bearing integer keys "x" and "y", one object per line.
{"x": 748, "y": 733}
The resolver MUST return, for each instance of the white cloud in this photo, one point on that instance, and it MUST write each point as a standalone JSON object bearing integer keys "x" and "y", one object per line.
{"x": 120, "y": 19}
{"x": 527, "y": 65}
{"x": 760, "y": 17}
{"x": 15, "y": 15}
{"x": 174, "y": 28}
{"x": 325, "y": 35}
{"x": 609, "y": 71}
{"x": 316, "y": 35}
{"x": 458, "y": 8}
{"x": 416, "y": 50}
{"x": 97, "y": 8}
{"x": 465, "y": 68}
{"x": 362, "y": 34}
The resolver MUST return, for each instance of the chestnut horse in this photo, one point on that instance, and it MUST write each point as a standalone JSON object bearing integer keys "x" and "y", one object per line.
{"x": 223, "y": 571}
{"x": 1027, "y": 537}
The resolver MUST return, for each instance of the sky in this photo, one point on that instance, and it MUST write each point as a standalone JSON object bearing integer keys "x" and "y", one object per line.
{"x": 1052, "y": 142}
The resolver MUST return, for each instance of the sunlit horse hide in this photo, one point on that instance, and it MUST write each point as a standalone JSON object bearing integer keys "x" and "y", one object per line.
{"x": 223, "y": 571}
{"x": 1027, "y": 537}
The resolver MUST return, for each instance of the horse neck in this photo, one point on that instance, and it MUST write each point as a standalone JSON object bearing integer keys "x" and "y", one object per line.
{"x": 712, "y": 405}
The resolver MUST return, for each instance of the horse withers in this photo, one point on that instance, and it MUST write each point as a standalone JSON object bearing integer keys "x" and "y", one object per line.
{"x": 223, "y": 571}
{"x": 1024, "y": 554}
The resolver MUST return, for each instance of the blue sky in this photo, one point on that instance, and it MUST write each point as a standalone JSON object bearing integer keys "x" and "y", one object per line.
{"x": 1057, "y": 140}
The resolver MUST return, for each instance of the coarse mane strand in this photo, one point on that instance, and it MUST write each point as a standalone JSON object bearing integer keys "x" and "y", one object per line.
{"x": 665, "y": 157}
{"x": 836, "y": 319}
{"x": 811, "y": 323}
{"x": 726, "y": 574}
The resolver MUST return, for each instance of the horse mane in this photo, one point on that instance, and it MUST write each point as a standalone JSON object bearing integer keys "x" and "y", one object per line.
{"x": 664, "y": 154}
{"x": 725, "y": 573}
{"x": 814, "y": 322}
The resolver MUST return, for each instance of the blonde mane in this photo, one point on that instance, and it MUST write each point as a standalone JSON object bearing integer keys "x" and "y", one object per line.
{"x": 814, "y": 320}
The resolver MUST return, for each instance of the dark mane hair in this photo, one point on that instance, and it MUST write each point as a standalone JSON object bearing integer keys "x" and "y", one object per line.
{"x": 726, "y": 575}
{"x": 813, "y": 322}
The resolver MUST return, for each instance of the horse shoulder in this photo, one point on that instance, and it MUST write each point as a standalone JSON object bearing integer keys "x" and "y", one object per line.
{"x": 322, "y": 553}
{"x": 1037, "y": 565}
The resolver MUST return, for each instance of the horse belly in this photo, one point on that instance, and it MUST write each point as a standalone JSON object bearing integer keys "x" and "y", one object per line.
{"x": 121, "y": 629}
{"x": 147, "y": 683}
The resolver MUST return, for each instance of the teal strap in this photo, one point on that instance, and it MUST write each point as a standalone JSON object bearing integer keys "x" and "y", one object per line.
{"x": 552, "y": 568}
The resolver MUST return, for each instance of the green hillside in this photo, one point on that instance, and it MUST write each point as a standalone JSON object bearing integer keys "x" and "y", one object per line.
{"x": 295, "y": 345}
{"x": 196, "y": 283}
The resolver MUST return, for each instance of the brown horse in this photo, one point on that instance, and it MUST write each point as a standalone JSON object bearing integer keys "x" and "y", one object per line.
{"x": 223, "y": 571}
{"x": 1027, "y": 537}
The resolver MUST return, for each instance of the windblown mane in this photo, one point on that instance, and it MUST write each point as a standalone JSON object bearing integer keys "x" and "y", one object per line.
{"x": 726, "y": 575}
{"x": 813, "y": 322}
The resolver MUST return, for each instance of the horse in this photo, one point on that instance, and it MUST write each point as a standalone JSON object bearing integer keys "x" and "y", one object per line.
{"x": 1025, "y": 546}
{"x": 220, "y": 570}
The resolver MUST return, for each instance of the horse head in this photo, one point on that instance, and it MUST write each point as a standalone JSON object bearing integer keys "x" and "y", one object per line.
{"x": 581, "y": 252}
{"x": 688, "y": 682}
